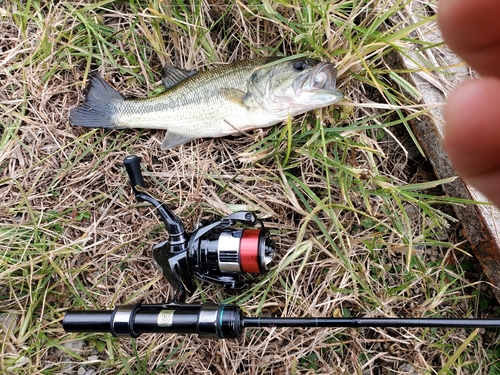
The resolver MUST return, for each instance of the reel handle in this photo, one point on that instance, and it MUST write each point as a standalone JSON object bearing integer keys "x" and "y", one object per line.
{"x": 178, "y": 237}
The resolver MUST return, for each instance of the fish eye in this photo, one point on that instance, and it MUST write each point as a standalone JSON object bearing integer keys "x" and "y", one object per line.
{"x": 300, "y": 65}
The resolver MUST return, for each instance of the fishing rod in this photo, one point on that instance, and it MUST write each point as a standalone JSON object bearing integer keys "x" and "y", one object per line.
{"x": 227, "y": 321}
{"x": 220, "y": 253}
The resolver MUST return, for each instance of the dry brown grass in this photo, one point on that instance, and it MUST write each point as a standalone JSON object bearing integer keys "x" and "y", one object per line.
{"x": 73, "y": 237}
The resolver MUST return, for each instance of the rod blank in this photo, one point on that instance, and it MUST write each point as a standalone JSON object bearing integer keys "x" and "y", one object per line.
{"x": 369, "y": 322}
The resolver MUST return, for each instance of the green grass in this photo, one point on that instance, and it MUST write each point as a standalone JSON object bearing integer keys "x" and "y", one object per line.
{"x": 361, "y": 231}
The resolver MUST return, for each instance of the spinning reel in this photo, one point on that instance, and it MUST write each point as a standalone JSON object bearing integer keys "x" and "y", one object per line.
{"x": 214, "y": 252}
{"x": 218, "y": 253}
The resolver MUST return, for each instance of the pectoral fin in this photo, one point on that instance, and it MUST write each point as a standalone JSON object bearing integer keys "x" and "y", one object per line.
{"x": 171, "y": 76}
{"x": 173, "y": 139}
{"x": 235, "y": 96}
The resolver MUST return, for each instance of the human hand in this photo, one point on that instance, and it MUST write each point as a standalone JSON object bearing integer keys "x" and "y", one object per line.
{"x": 472, "y": 135}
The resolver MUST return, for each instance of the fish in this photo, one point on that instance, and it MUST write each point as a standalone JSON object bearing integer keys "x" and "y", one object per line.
{"x": 230, "y": 99}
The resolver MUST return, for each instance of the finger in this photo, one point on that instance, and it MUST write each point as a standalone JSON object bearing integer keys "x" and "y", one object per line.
{"x": 472, "y": 30}
{"x": 472, "y": 136}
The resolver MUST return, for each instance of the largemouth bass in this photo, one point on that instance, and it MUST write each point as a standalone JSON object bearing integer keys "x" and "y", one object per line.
{"x": 227, "y": 100}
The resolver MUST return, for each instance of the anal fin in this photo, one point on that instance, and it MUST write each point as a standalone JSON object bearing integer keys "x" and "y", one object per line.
{"x": 173, "y": 139}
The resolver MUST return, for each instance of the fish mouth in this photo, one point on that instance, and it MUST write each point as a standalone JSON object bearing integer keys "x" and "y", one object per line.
{"x": 322, "y": 77}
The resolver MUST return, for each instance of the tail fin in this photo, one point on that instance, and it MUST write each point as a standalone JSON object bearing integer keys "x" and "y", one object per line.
{"x": 98, "y": 110}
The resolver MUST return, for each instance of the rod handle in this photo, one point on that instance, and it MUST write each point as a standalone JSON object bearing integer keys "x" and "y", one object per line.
{"x": 207, "y": 320}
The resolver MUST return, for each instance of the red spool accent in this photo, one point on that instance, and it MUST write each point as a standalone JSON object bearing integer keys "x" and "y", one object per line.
{"x": 249, "y": 250}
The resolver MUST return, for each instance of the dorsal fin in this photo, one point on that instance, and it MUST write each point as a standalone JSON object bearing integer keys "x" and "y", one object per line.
{"x": 171, "y": 76}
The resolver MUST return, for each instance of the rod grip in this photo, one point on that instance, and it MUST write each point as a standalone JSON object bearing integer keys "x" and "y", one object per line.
{"x": 133, "y": 167}
{"x": 87, "y": 321}
{"x": 207, "y": 321}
